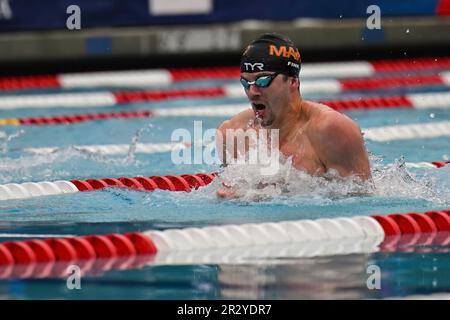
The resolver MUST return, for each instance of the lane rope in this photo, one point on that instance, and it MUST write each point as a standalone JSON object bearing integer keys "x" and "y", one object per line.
{"x": 408, "y": 131}
{"x": 109, "y": 99}
{"x": 164, "y": 77}
{"x": 185, "y": 182}
{"x": 39, "y": 258}
{"x": 417, "y": 101}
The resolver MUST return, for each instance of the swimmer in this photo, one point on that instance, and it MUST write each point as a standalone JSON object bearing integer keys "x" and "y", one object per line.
{"x": 317, "y": 137}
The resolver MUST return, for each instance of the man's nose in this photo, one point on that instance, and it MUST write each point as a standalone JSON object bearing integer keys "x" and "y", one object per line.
{"x": 253, "y": 91}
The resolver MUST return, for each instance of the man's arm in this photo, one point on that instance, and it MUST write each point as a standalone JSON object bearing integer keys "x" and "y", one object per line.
{"x": 239, "y": 121}
{"x": 339, "y": 144}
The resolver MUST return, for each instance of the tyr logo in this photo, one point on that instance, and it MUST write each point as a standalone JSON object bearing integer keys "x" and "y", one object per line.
{"x": 251, "y": 66}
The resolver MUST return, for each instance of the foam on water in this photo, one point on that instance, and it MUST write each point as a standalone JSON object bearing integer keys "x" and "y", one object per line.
{"x": 287, "y": 185}
{"x": 61, "y": 162}
{"x": 6, "y": 138}
{"x": 390, "y": 181}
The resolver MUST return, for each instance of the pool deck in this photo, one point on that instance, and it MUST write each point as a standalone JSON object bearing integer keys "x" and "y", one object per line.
{"x": 311, "y": 34}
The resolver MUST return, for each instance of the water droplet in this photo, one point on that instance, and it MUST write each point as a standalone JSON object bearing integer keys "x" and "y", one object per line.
{"x": 445, "y": 157}
{"x": 5, "y": 139}
{"x": 432, "y": 115}
{"x": 407, "y": 30}
{"x": 134, "y": 141}
{"x": 340, "y": 16}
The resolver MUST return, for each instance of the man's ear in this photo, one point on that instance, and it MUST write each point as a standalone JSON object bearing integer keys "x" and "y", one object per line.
{"x": 295, "y": 82}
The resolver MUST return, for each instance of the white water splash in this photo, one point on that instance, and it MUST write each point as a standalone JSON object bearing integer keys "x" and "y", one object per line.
{"x": 5, "y": 139}
{"x": 48, "y": 166}
{"x": 395, "y": 180}
{"x": 392, "y": 181}
{"x": 250, "y": 185}
{"x": 134, "y": 141}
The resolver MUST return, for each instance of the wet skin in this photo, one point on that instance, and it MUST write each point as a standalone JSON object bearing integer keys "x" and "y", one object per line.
{"x": 317, "y": 137}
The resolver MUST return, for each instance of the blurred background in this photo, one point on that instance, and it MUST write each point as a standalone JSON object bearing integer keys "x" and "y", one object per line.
{"x": 50, "y": 36}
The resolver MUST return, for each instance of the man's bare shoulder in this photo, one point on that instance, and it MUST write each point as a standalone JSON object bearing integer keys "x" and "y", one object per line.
{"x": 327, "y": 122}
{"x": 238, "y": 121}
{"x": 339, "y": 143}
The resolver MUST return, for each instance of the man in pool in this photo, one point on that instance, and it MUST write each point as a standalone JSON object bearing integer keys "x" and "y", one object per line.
{"x": 318, "y": 138}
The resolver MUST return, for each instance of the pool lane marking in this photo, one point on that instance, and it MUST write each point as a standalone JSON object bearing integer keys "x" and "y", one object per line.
{"x": 10, "y": 122}
{"x": 233, "y": 243}
{"x": 419, "y": 101}
{"x": 109, "y": 99}
{"x": 186, "y": 182}
{"x": 12, "y": 191}
{"x": 408, "y": 131}
{"x": 379, "y": 134}
{"x": 164, "y": 77}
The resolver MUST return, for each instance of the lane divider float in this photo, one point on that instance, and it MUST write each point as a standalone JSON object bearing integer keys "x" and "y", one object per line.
{"x": 109, "y": 99}
{"x": 164, "y": 77}
{"x": 434, "y": 164}
{"x": 408, "y": 131}
{"x": 379, "y": 134}
{"x": 185, "y": 182}
{"x": 106, "y": 98}
{"x": 417, "y": 101}
{"x": 226, "y": 243}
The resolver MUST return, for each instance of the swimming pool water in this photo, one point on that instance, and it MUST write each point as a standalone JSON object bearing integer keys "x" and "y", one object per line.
{"x": 116, "y": 210}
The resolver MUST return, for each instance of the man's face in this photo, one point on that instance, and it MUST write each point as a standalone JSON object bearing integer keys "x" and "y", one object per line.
{"x": 267, "y": 102}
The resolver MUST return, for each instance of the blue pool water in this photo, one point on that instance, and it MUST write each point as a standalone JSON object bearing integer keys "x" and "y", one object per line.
{"x": 116, "y": 210}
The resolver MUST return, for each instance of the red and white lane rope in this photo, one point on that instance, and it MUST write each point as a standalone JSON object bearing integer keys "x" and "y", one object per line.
{"x": 418, "y": 101}
{"x": 435, "y": 164}
{"x": 108, "y": 99}
{"x": 227, "y": 243}
{"x": 163, "y": 77}
{"x": 379, "y": 134}
{"x": 408, "y": 131}
{"x": 185, "y": 182}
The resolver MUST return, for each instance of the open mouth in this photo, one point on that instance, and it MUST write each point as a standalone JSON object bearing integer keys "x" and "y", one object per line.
{"x": 260, "y": 110}
{"x": 259, "y": 106}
